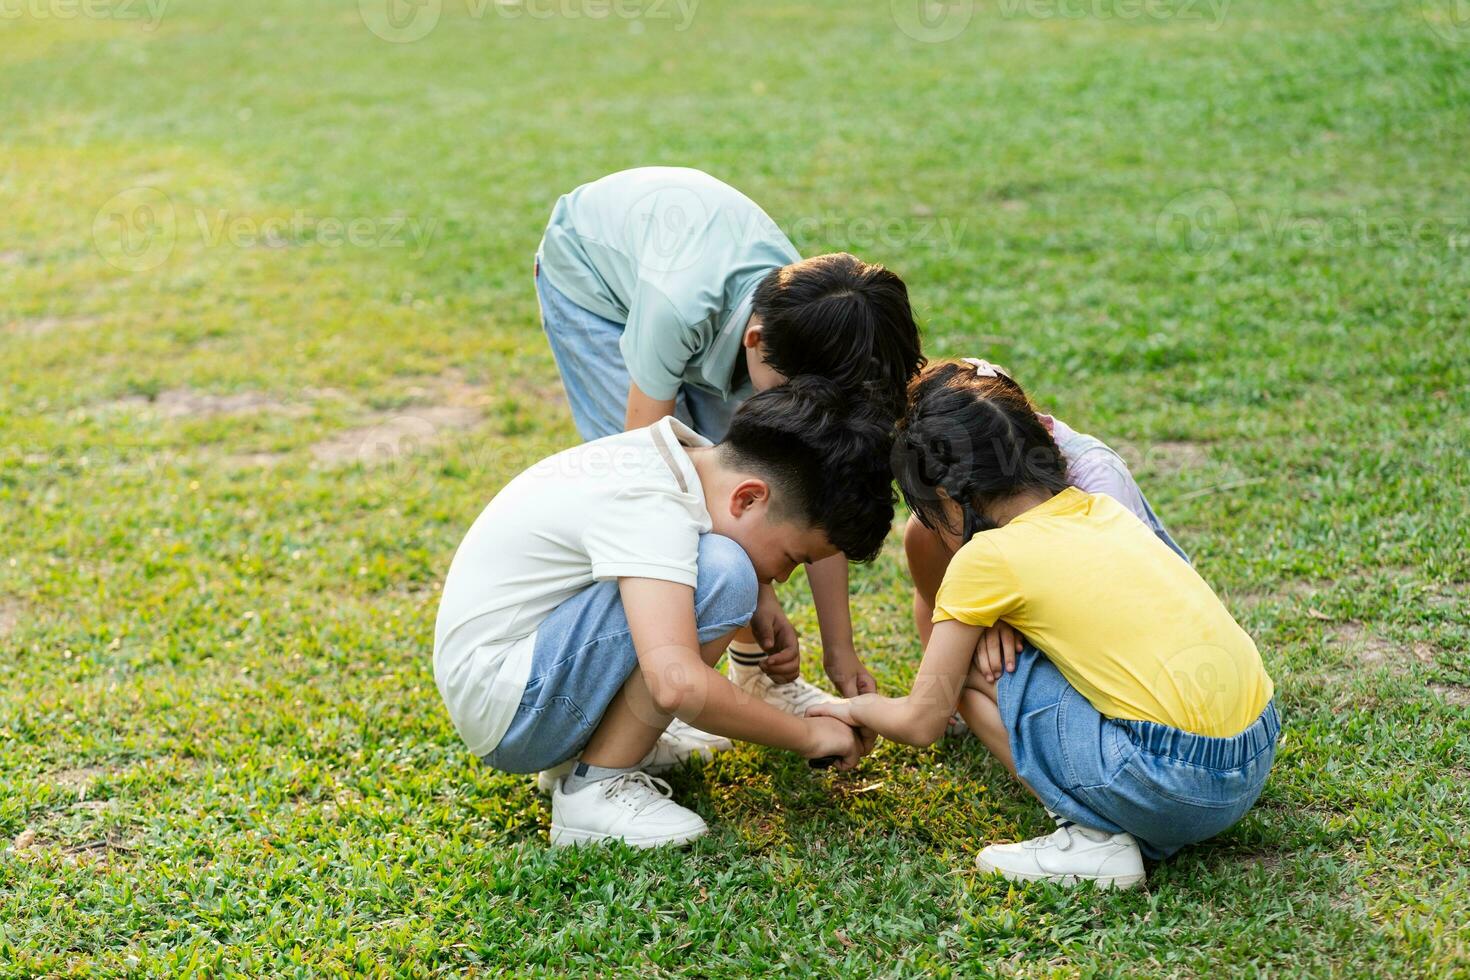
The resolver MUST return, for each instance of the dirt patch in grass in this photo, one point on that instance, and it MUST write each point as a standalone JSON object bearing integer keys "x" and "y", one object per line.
{"x": 1450, "y": 596}
{"x": 548, "y": 394}
{"x": 1353, "y": 639}
{"x": 1425, "y": 653}
{"x": 442, "y": 405}
{"x": 43, "y": 325}
{"x": 1287, "y": 593}
{"x": 1456, "y": 694}
{"x": 1172, "y": 457}
{"x": 77, "y": 779}
{"x": 178, "y": 403}
{"x": 1267, "y": 860}
{"x": 394, "y": 436}
{"x": 29, "y": 844}
{"x": 261, "y": 460}
{"x": 9, "y": 617}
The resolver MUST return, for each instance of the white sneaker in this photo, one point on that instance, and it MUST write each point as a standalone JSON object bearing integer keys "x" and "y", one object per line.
{"x": 634, "y": 808}
{"x": 794, "y": 697}
{"x": 680, "y": 743}
{"x": 1068, "y": 856}
{"x": 676, "y": 746}
{"x": 547, "y": 779}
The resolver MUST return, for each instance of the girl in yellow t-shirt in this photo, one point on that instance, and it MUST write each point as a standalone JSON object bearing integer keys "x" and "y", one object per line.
{"x": 1138, "y": 711}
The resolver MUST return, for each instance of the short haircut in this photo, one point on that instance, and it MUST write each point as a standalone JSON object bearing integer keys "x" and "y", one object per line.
{"x": 825, "y": 454}
{"x": 976, "y": 437}
{"x": 841, "y": 318}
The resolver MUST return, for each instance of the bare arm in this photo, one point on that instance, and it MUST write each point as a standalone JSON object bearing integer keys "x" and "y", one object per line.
{"x": 920, "y": 717}
{"x": 661, "y": 618}
{"x": 644, "y": 410}
{"x": 829, "y": 581}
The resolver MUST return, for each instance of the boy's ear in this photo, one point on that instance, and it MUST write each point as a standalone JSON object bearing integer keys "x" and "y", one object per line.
{"x": 752, "y": 338}
{"x": 747, "y": 494}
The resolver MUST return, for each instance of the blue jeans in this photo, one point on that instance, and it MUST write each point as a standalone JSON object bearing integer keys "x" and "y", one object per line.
{"x": 584, "y": 654}
{"x": 588, "y": 355}
{"x": 1166, "y": 787}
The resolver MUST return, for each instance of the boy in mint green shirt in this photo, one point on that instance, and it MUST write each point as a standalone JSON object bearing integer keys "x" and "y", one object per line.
{"x": 667, "y": 292}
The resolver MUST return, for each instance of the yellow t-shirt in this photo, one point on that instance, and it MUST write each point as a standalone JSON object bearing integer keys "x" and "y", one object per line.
{"x": 1129, "y": 623}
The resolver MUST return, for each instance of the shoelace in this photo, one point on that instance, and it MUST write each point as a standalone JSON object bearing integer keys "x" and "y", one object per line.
{"x": 629, "y": 780}
{"x": 804, "y": 693}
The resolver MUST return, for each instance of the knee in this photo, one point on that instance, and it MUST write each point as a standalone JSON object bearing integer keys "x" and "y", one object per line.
{"x": 727, "y": 587}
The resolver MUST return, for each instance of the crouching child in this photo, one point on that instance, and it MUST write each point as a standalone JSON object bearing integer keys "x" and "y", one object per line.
{"x": 1137, "y": 711}
{"x": 587, "y": 605}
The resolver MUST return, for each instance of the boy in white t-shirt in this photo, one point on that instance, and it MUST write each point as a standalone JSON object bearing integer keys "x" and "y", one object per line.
{"x": 590, "y": 600}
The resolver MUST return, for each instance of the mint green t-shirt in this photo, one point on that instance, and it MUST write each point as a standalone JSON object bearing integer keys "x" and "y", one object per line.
{"x": 675, "y": 255}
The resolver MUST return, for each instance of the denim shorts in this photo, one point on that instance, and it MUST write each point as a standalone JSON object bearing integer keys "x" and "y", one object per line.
{"x": 584, "y": 654}
{"x": 1166, "y": 787}
{"x": 590, "y": 360}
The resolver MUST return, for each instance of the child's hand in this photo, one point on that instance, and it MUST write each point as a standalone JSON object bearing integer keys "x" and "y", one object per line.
{"x": 848, "y": 674}
{"x": 841, "y": 710}
{"x": 832, "y": 738}
{"x": 996, "y": 651}
{"x": 774, "y": 632}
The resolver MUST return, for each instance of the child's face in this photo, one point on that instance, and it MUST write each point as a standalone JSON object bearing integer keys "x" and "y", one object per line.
{"x": 775, "y": 546}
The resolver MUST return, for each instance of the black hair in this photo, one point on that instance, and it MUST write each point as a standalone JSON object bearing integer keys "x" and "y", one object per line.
{"x": 975, "y": 437}
{"x": 825, "y": 454}
{"x": 839, "y": 317}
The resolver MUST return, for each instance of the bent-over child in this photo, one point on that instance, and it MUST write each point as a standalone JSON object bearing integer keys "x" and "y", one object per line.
{"x": 665, "y": 291}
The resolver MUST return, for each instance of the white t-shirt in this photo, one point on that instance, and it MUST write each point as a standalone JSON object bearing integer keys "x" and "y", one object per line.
{"x": 630, "y": 505}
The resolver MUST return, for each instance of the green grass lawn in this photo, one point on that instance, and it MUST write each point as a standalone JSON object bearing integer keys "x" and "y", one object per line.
{"x": 268, "y": 344}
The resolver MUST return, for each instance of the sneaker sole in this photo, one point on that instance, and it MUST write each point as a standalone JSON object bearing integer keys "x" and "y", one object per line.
{"x": 1103, "y": 882}
{"x": 572, "y": 837}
